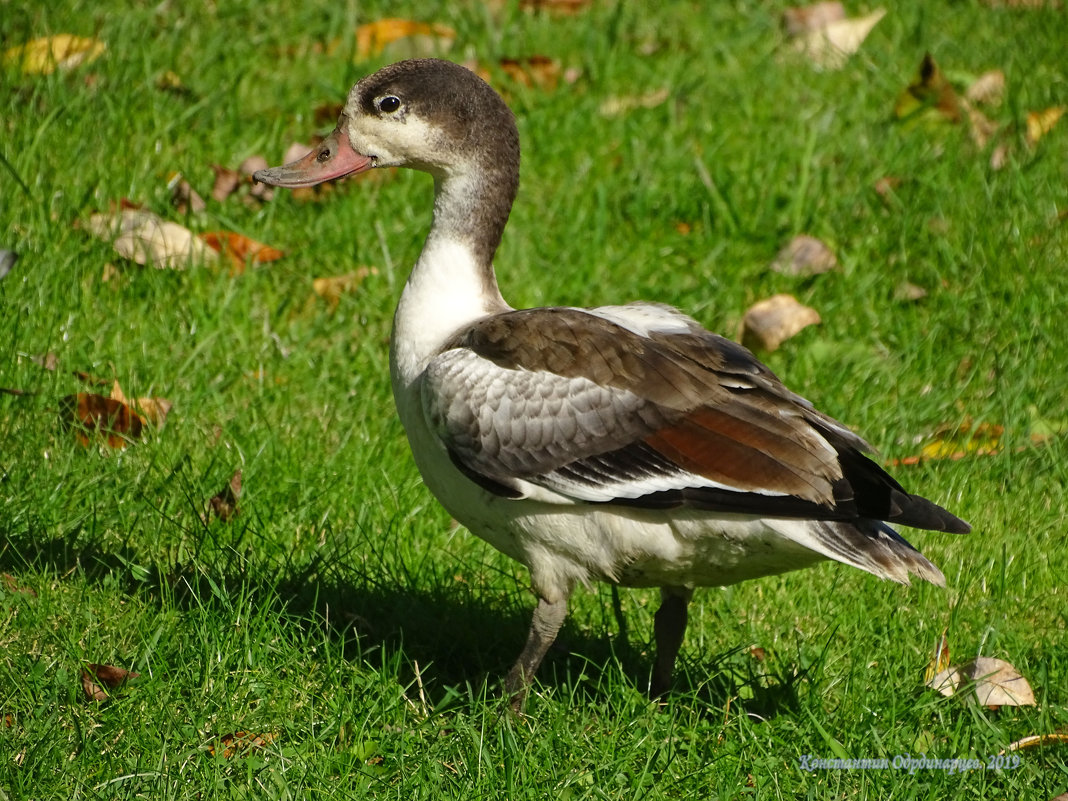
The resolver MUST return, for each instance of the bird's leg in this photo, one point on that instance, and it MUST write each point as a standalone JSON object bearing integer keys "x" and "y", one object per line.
{"x": 669, "y": 624}
{"x": 548, "y": 617}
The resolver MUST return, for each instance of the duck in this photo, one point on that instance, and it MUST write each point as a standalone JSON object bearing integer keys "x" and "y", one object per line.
{"x": 623, "y": 443}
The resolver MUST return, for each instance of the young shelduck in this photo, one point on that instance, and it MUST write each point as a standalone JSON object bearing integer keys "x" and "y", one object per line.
{"x": 624, "y": 444}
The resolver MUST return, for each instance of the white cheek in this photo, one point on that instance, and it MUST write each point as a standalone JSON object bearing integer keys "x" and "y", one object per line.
{"x": 393, "y": 143}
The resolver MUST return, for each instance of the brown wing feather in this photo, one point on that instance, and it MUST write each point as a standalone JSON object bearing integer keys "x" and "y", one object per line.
{"x": 702, "y": 403}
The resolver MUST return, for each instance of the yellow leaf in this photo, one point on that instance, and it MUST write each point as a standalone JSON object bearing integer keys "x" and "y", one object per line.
{"x": 425, "y": 39}
{"x": 939, "y": 660}
{"x": 331, "y": 289}
{"x": 981, "y": 440}
{"x": 1040, "y": 123}
{"x": 62, "y": 51}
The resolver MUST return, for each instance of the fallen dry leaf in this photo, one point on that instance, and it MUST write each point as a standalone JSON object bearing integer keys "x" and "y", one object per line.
{"x": 240, "y": 743}
{"x": 812, "y": 18}
{"x": 804, "y": 256}
{"x": 224, "y": 503}
{"x": 980, "y": 126}
{"x": 769, "y": 323}
{"x": 88, "y": 413}
{"x": 908, "y": 291}
{"x": 226, "y": 182}
{"x": 331, "y": 289}
{"x": 555, "y": 6}
{"x": 1035, "y": 741}
{"x": 402, "y": 38}
{"x": 930, "y": 97}
{"x": 988, "y": 89}
{"x": 185, "y": 197}
{"x": 145, "y": 238}
{"x": 98, "y": 680}
{"x": 994, "y": 682}
{"x": 830, "y": 45}
{"x": 617, "y": 106}
{"x": 997, "y": 683}
{"x": 62, "y": 51}
{"x": 536, "y": 72}
{"x": 154, "y": 410}
{"x": 240, "y": 249}
{"x": 968, "y": 440}
{"x": 1040, "y": 123}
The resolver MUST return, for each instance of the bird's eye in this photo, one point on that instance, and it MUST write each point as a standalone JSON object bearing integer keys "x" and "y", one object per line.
{"x": 389, "y": 104}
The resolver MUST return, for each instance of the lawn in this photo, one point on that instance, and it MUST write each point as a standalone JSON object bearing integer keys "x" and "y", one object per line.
{"x": 338, "y": 636}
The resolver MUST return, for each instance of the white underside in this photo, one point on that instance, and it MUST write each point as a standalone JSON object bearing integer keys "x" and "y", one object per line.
{"x": 562, "y": 542}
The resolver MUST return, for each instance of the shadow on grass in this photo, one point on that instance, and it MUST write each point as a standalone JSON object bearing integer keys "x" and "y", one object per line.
{"x": 453, "y": 634}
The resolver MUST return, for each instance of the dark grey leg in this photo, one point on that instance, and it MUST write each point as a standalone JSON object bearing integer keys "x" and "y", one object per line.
{"x": 669, "y": 625}
{"x": 548, "y": 617}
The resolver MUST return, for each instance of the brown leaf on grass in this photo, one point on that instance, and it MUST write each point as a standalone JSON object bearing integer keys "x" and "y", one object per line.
{"x": 240, "y": 249}
{"x": 616, "y": 105}
{"x": 769, "y": 323}
{"x": 998, "y": 684}
{"x": 12, "y": 585}
{"x": 1040, "y": 123}
{"x": 563, "y": 7}
{"x": 993, "y": 682}
{"x": 226, "y": 182}
{"x": 48, "y": 361}
{"x": 224, "y": 503}
{"x": 99, "y": 681}
{"x": 534, "y": 72}
{"x": 830, "y": 45}
{"x": 987, "y": 90}
{"x": 89, "y": 414}
{"x": 240, "y": 743}
{"x": 9, "y": 720}
{"x": 907, "y": 291}
{"x": 402, "y": 38}
{"x": 930, "y": 97}
{"x": 185, "y": 197}
{"x": 804, "y": 19}
{"x": 154, "y": 410}
{"x": 804, "y": 256}
{"x": 145, "y": 238}
{"x": 44, "y": 56}
{"x": 980, "y": 126}
{"x": 332, "y": 288}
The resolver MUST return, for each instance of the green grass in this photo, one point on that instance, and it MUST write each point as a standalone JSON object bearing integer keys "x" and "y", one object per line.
{"x": 341, "y": 613}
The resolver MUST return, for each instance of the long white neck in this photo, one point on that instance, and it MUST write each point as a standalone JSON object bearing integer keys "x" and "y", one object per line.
{"x": 452, "y": 284}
